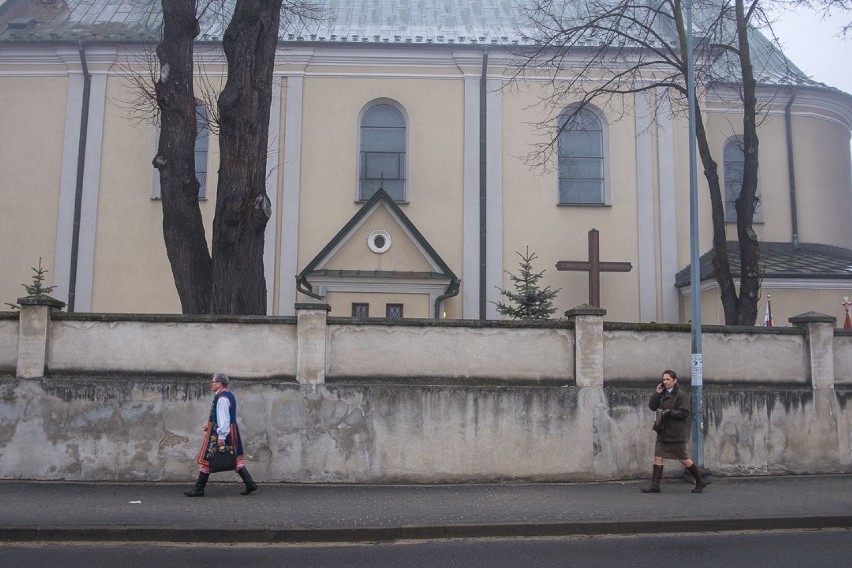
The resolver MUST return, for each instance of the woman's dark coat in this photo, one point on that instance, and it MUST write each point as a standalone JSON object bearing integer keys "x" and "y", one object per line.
{"x": 675, "y": 407}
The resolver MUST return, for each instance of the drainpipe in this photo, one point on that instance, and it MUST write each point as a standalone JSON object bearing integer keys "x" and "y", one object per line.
{"x": 483, "y": 198}
{"x": 303, "y": 286}
{"x": 81, "y": 166}
{"x": 788, "y": 120}
{"x": 452, "y": 290}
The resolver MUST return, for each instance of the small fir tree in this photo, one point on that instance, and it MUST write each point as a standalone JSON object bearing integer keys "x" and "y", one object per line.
{"x": 37, "y": 287}
{"x": 529, "y": 301}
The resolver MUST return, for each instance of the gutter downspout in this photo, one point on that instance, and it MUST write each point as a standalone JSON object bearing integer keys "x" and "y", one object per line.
{"x": 483, "y": 186}
{"x": 81, "y": 166}
{"x": 452, "y": 290}
{"x": 791, "y": 171}
{"x": 303, "y": 286}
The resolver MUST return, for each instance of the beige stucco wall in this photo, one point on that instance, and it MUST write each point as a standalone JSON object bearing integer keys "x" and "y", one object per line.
{"x": 132, "y": 272}
{"x": 33, "y": 109}
{"x": 332, "y": 108}
{"x": 402, "y": 256}
{"x": 532, "y": 216}
{"x": 414, "y": 305}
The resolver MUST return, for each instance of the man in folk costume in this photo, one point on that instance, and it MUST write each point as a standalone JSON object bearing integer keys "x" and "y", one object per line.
{"x": 221, "y": 430}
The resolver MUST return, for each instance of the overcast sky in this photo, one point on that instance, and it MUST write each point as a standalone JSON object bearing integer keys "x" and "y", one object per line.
{"x": 812, "y": 45}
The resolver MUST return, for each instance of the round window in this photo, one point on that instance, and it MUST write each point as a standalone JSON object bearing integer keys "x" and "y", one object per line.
{"x": 379, "y": 241}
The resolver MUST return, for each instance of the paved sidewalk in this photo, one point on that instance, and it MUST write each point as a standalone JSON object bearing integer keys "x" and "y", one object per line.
{"x": 65, "y": 511}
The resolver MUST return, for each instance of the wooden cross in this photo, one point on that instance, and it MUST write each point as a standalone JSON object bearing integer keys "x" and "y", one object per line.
{"x": 594, "y": 267}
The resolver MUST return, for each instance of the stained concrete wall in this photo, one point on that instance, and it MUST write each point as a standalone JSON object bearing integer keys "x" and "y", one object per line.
{"x": 414, "y": 402}
{"x": 843, "y": 357}
{"x": 476, "y": 352}
{"x": 144, "y": 428}
{"x": 248, "y": 347}
{"x": 739, "y": 355}
{"x": 8, "y": 342}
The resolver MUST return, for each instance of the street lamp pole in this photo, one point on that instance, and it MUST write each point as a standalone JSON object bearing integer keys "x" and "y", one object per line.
{"x": 697, "y": 377}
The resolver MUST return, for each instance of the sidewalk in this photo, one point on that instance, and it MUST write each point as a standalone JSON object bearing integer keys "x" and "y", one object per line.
{"x": 65, "y": 511}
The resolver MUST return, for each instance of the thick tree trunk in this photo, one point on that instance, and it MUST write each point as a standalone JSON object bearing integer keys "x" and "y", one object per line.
{"x": 242, "y": 205}
{"x": 739, "y": 309}
{"x": 747, "y": 202}
{"x": 183, "y": 230}
{"x": 721, "y": 259}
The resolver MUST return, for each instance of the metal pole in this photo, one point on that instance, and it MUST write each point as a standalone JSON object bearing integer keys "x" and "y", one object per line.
{"x": 695, "y": 268}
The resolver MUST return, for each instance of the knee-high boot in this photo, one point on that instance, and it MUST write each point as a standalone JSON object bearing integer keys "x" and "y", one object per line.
{"x": 198, "y": 490}
{"x": 700, "y": 483}
{"x": 655, "y": 480}
{"x": 251, "y": 486}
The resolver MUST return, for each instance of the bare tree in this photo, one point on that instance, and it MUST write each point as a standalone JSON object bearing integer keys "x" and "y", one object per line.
{"x": 183, "y": 229}
{"x": 599, "y": 50}
{"x": 229, "y": 279}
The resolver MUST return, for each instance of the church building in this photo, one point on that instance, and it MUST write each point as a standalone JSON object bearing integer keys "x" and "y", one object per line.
{"x": 398, "y": 173}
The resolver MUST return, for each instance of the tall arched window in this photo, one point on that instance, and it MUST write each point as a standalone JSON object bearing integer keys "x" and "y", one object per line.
{"x": 202, "y": 146}
{"x": 581, "y": 158}
{"x": 382, "y": 159}
{"x": 734, "y": 161}
{"x": 734, "y": 168}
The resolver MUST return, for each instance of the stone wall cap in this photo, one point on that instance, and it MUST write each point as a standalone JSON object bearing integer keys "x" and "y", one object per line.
{"x": 41, "y": 300}
{"x": 585, "y": 310}
{"x": 312, "y": 306}
{"x": 812, "y": 317}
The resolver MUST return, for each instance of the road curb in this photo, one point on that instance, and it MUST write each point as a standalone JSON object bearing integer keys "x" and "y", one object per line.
{"x": 411, "y": 532}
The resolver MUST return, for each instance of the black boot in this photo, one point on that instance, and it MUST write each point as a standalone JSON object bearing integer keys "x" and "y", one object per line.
{"x": 198, "y": 490}
{"x": 251, "y": 486}
{"x": 655, "y": 480}
{"x": 700, "y": 484}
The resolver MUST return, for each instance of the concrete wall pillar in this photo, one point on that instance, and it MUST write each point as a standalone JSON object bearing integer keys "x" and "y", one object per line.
{"x": 588, "y": 344}
{"x": 311, "y": 326}
{"x": 33, "y": 334}
{"x": 820, "y": 341}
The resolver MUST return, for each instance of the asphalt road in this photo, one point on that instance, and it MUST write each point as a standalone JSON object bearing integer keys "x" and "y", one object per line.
{"x": 777, "y": 549}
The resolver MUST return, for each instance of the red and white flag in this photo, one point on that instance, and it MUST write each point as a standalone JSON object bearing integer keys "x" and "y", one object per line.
{"x": 767, "y": 316}
{"x": 847, "y": 324}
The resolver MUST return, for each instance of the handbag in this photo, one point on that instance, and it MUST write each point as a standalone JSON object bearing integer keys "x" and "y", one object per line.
{"x": 658, "y": 425}
{"x": 222, "y": 458}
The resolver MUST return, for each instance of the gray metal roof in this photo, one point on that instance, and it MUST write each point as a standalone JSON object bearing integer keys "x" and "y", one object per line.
{"x": 371, "y": 22}
{"x": 361, "y": 21}
{"x": 782, "y": 261}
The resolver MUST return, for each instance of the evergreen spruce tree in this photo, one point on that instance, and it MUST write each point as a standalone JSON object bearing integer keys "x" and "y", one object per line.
{"x": 37, "y": 288}
{"x": 528, "y": 301}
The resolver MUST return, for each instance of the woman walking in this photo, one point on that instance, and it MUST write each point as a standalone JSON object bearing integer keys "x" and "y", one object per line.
{"x": 672, "y": 406}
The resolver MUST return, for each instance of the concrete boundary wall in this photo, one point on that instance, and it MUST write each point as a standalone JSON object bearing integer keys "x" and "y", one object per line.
{"x": 732, "y": 355}
{"x": 843, "y": 357}
{"x": 8, "y": 342}
{"x": 109, "y": 397}
{"x": 479, "y": 352}
{"x": 172, "y": 346}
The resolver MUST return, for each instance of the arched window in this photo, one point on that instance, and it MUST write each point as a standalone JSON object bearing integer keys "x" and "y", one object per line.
{"x": 581, "y": 143}
{"x": 202, "y": 146}
{"x": 734, "y": 167}
{"x": 382, "y": 159}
